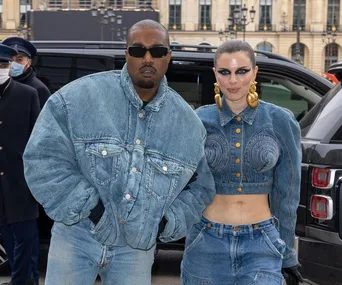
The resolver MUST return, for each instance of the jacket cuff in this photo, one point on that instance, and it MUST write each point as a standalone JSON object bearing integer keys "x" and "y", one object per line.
{"x": 168, "y": 233}
{"x": 105, "y": 231}
{"x": 290, "y": 258}
{"x": 97, "y": 212}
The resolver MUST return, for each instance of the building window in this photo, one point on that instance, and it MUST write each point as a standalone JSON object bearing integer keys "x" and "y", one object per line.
{"x": 265, "y": 21}
{"x": 333, "y": 17}
{"x": 265, "y": 46}
{"x": 24, "y": 7}
{"x": 129, "y": 4}
{"x": 86, "y": 4}
{"x": 235, "y": 5}
{"x": 294, "y": 55}
{"x": 299, "y": 7}
{"x": 145, "y": 4}
{"x": 115, "y": 4}
{"x": 55, "y": 4}
{"x": 175, "y": 15}
{"x": 331, "y": 55}
{"x": 205, "y": 15}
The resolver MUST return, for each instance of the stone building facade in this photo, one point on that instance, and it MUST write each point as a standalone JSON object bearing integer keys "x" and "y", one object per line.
{"x": 274, "y": 26}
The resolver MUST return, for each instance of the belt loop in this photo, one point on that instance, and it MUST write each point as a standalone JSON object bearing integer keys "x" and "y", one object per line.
{"x": 275, "y": 222}
{"x": 251, "y": 231}
{"x": 221, "y": 231}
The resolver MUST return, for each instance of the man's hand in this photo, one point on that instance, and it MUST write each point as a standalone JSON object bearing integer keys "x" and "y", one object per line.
{"x": 292, "y": 275}
{"x": 192, "y": 179}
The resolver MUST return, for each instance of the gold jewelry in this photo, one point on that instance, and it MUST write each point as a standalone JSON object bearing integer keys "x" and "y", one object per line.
{"x": 252, "y": 96}
{"x": 218, "y": 99}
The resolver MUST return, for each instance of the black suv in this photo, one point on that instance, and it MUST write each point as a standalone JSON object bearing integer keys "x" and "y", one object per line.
{"x": 319, "y": 222}
{"x": 280, "y": 81}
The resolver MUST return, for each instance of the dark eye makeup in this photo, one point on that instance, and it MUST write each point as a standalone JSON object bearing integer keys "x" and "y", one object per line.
{"x": 225, "y": 71}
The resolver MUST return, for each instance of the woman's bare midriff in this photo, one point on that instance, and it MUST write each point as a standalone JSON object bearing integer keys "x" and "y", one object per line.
{"x": 238, "y": 209}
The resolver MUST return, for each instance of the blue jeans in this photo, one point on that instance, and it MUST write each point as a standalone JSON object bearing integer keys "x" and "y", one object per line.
{"x": 219, "y": 254}
{"x": 76, "y": 258}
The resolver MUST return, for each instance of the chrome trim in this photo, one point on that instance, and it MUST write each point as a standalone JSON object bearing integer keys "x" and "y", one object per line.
{"x": 331, "y": 180}
{"x": 323, "y": 235}
{"x": 329, "y": 206}
{"x": 296, "y": 244}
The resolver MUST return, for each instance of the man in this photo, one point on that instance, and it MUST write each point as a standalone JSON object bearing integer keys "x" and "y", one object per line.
{"x": 109, "y": 157}
{"x": 21, "y": 69}
{"x": 19, "y": 108}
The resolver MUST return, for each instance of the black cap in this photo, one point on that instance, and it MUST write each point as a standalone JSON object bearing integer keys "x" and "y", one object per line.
{"x": 21, "y": 45}
{"x": 6, "y": 53}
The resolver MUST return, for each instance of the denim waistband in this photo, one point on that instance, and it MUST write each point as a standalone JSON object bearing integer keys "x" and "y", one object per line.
{"x": 239, "y": 229}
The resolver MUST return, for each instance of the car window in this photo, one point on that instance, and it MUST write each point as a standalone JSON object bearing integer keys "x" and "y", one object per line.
{"x": 286, "y": 93}
{"x": 326, "y": 117}
{"x": 56, "y": 70}
{"x": 194, "y": 83}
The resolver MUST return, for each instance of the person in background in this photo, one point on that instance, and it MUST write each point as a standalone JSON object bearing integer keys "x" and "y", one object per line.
{"x": 21, "y": 67}
{"x": 253, "y": 150}
{"x": 22, "y": 71}
{"x": 110, "y": 159}
{"x": 19, "y": 109}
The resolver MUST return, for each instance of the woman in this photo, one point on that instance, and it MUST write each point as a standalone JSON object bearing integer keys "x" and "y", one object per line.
{"x": 246, "y": 236}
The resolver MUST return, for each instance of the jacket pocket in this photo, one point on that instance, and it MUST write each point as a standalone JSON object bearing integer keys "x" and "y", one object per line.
{"x": 105, "y": 161}
{"x": 106, "y": 230}
{"x": 164, "y": 176}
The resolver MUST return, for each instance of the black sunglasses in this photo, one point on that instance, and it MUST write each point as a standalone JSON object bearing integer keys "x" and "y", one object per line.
{"x": 156, "y": 52}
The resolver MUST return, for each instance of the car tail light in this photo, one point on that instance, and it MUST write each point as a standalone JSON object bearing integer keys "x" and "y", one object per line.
{"x": 321, "y": 207}
{"x": 323, "y": 177}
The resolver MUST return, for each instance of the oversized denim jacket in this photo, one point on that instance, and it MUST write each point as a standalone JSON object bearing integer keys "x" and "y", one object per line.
{"x": 257, "y": 152}
{"x": 93, "y": 140}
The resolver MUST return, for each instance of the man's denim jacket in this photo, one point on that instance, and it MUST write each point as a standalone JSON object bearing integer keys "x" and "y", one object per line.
{"x": 93, "y": 140}
{"x": 257, "y": 152}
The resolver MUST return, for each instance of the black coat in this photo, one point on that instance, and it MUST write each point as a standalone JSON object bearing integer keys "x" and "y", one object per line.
{"x": 19, "y": 109}
{"x": 29, "y": 78}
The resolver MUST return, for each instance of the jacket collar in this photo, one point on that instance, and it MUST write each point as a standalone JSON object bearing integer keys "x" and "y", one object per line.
{"x": 132, "y": 95}
{"x": 247, "y": 115}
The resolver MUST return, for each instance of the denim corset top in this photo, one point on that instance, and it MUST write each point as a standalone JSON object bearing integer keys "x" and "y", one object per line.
{"x": 243, "y": 150}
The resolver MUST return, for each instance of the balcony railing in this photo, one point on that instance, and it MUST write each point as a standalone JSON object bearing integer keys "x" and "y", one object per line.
{"x": 204, "y": 27}
{"x": 176, "y": 27}
{"x": 88, "y": 4}
{"x": 266, "y": 27}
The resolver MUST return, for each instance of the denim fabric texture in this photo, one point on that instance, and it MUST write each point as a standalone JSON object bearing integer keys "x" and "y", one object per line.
{"x": 219, "y": 254}
{"x": 79, "y": 259}
{"x": 93, "y": 140}
{"x": 257, "y": 152}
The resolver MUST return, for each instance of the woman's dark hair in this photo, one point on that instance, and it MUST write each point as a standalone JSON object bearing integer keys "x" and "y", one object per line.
{"x": 231, "y": 46}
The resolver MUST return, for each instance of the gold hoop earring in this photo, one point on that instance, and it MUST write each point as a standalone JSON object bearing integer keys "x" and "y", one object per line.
{"x": 252, "y": 96}
{"x": 218, "y": 99}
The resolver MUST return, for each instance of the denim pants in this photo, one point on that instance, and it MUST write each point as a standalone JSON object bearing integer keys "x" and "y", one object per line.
{"x": 76, "y": 258}
{"x": 219, "y": 254}
{"x": 21, "y": 242}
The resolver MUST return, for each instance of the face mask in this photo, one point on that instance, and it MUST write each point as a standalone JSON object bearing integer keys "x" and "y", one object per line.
{"x": 4, "y": 75}
{"x": 17, "y": 69}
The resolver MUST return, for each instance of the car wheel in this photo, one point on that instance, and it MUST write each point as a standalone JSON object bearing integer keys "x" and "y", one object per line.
{"x": 3, "y": 255}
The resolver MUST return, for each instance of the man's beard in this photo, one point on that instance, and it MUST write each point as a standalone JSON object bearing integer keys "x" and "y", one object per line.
{"x": 145, "y": 84}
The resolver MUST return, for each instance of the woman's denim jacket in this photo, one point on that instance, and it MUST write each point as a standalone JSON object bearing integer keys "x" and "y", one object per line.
{"x": 257, "y": 152}
{"x": 94, "y": 140}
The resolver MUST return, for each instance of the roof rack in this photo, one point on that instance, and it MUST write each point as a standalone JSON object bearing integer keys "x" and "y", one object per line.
{"x": 122, "y": 45}
{"x": 274, "y": 56}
